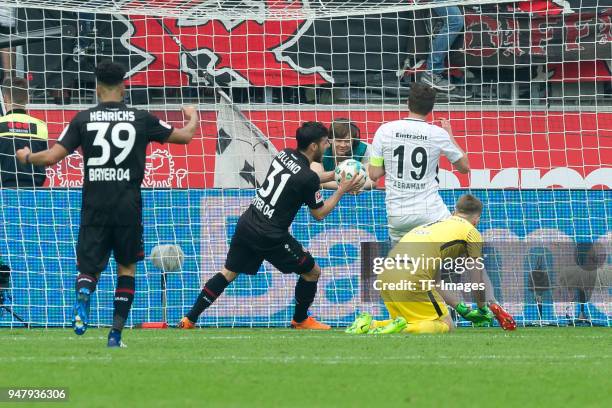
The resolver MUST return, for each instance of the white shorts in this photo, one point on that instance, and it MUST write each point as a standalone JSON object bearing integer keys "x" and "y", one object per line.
{"x": 401, "y": 225}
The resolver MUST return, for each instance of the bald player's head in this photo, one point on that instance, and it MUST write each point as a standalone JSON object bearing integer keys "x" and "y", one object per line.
{"x": 469, "y": 207}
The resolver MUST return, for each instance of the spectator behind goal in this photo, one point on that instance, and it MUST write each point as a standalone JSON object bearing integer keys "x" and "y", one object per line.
{"x": 346, "y": 143}
{"x": 18, "y": 130}
{"x": 436, "y": 75}
{"x": 8, "y": 25}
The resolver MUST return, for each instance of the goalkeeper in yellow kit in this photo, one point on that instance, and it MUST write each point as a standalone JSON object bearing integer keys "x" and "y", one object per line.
{"x": 408, "y": 288}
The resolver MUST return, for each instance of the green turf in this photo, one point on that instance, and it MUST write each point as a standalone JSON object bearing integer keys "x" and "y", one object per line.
{"x": 539, "y": 367}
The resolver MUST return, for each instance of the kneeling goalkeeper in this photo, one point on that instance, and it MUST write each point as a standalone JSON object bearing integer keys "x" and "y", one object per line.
{"x": 409, "y": 292}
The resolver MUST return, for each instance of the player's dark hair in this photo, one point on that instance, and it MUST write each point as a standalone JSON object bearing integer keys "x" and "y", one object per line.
{"x": 469, "y": 205}
{"x": 16, "y": 89}
{"x": 310, "y": 132}
{"x": 110, "y": 73}
{"x": 422, "y": 99}
{"x": 342, "y": 128}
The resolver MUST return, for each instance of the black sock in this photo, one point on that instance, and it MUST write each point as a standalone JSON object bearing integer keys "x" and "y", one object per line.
{"x": 124, "y": 295}
{"x": 84, "y": 280}
{"x": 305, "y": 292}
{"x": 212, "y": 290}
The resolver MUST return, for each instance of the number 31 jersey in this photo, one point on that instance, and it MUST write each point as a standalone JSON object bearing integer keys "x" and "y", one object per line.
{"x": 289, "y": 184}
{"x": 409, "y": 150}
{"x": 114, "y": 140}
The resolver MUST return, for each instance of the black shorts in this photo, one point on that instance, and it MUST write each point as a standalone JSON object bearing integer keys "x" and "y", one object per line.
{"x": 96, "y": 243}
{"x": 248, "y": 250}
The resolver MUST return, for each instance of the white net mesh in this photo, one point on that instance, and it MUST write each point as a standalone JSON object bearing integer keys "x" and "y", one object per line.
{"x": 531, "y": 106}
{"x": 239, "y": 9}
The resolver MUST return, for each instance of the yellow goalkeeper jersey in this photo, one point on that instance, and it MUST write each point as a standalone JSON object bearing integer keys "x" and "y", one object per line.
{"x": 408, "y": 288}
{"x": 431, "y": 246}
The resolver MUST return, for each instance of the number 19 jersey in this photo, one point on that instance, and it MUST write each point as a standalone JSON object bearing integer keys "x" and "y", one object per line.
{"x": 409, "y": 150}
{"x": 114, "y": 140}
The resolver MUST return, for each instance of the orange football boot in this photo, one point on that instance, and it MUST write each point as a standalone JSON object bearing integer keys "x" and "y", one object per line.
{"x": 186, "y": 324}
{"x": 309, "y": 324}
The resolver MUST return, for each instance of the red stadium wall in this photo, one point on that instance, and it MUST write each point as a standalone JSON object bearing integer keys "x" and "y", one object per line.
{"x": 564, "y": 145}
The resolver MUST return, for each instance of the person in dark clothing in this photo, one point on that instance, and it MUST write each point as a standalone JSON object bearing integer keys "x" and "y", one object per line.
{"x": 19, "y": 130}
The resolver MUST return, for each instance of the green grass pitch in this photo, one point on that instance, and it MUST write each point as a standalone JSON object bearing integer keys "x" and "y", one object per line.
{"x": 537, "y": 367}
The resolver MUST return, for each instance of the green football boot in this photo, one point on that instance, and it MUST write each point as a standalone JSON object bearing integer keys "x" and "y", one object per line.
{"x": 396, "y": 326}
{"x": 361, "y": 325}
{"x": 463, "y": 310}
{"x": 480, "y": 317}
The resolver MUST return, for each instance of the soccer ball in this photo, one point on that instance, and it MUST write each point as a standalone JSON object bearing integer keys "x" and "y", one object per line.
{"x": 351, "y": 168}
{"x": 168, "y": 258}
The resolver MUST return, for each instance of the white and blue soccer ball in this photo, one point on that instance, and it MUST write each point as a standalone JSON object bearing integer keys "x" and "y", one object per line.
{"x": 168, "y": 258}
{"x": 351, "y": 168}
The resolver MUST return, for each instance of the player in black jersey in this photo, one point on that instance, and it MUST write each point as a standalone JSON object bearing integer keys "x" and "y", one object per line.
{"x": 113, "y": 138}
{"x": 262, "y": 231}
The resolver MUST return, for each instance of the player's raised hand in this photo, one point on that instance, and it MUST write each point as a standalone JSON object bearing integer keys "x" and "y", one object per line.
{"x": 446, "y": 125}
{"x": 348, "y": 185}
{"x": 189, "y": 111}
{"x": 22, "y": 154}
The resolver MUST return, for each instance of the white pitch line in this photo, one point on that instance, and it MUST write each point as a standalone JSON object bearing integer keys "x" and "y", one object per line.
{"x": 203, "y": 335}
{"x": 413, "y": 359}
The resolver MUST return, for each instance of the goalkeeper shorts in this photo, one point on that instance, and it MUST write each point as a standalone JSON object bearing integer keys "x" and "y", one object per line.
{"x": 432, "y": 309}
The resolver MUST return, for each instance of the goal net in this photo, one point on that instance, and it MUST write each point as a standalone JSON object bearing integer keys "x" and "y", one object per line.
{"x": 531, "y": 106}
{"x": 240, "y": 9}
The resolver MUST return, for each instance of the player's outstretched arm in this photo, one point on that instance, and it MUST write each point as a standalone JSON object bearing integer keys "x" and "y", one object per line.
{"x": 47, "y": 157}
{"x": 344, "y": 187}
{"x": 462, "y": 165}
{"x": 185, "y": 134}
{"x": 375, "y": 172}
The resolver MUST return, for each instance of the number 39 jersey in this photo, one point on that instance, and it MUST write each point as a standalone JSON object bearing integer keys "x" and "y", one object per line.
{"x": 114, "y": 140}
{"x": 409, "y": 150}
{"x": 289, "y": 184}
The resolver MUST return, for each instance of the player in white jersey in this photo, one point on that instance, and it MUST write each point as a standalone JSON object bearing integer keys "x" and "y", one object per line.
{"x": 407, "y": 151}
